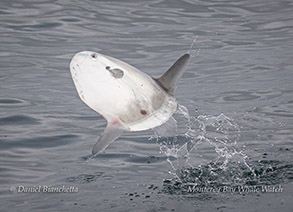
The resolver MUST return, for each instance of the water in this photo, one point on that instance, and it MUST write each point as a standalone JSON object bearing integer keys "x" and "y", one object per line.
{"x": 233, "y": 129}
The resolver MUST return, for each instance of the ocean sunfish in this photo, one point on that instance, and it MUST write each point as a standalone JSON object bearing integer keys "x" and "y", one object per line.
{"x": 130, "y": 100}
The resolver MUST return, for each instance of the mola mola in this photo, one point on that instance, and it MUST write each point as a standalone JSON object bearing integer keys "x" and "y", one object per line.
{"x": 130, "y": 100}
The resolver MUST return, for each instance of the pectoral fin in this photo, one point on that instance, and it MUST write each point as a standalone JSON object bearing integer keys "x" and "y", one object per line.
{"x": 168, "y": 81}
{"x": 107, "y": 137}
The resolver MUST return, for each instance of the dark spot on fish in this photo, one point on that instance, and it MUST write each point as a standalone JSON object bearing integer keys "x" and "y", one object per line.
{"x": 143, "y": 112}
{"x": 94, "y": 55}
{"x": 108, "y": 67}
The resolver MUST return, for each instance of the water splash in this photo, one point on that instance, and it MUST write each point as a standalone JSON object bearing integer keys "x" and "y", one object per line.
{"x": 203, "y": 150}
{"x": 191, "y": 51}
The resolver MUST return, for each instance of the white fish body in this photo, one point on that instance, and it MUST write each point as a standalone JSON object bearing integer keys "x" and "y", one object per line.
{"x": 130, "y": 100}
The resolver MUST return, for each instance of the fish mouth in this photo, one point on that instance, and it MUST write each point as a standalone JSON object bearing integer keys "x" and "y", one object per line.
{"x": 86, "y": 55}
{"x": 78, "y": 61}
{"x": 86, "y": 63}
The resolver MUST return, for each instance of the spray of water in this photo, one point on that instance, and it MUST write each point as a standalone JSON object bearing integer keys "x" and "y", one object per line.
{"x": 203, "y": 150}
{"x": 194, "y": 51}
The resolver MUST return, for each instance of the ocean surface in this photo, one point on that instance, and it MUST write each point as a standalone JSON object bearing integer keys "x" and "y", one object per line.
{"x": 227, "y": 148}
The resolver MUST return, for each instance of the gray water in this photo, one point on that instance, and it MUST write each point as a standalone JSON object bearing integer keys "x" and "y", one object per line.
{"x": 233, "y": 128}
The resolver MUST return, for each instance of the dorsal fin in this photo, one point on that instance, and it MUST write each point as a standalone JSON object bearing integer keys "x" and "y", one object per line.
{"x": 168, "y": 81}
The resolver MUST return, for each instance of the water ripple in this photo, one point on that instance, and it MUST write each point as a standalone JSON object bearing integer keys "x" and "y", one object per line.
{"x": 19, "y": 120}
{"x": 85, "y": 178}
{"x": 11, "y": 102}
{"x": 38, "y": 142}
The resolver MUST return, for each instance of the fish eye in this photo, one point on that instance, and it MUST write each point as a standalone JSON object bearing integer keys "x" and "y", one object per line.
{"x": 94, "y": 55}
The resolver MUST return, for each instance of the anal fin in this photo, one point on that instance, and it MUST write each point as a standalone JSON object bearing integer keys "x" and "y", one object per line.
{"x": 110, "y": 134}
